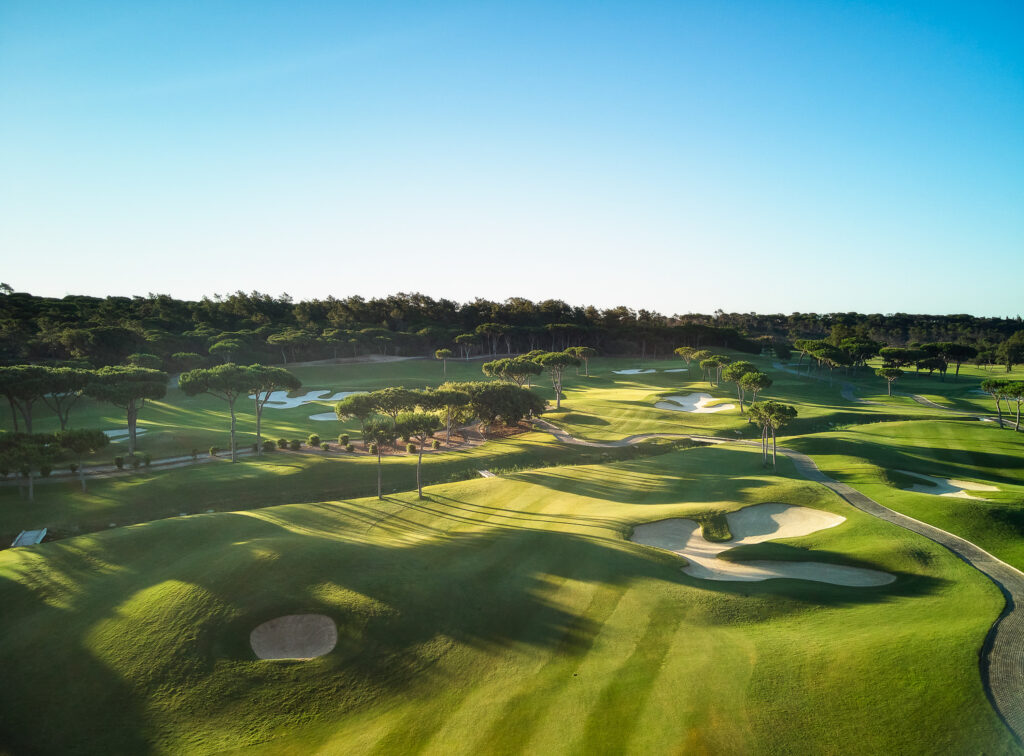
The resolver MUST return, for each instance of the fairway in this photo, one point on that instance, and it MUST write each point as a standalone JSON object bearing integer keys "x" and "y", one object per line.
{"x": 482, "y": 614}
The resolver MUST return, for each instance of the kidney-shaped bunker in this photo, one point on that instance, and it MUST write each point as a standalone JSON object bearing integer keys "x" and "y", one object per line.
{"x": 294, "y": 636}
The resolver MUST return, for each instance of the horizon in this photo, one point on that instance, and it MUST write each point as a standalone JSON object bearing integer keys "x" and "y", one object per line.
{"x": 843, "y": 157}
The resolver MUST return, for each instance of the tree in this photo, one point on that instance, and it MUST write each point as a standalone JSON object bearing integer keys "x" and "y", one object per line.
{"x": 1015, "y": 390}
{"x": 418, "y": 426}
{"x": 492, "y": 401}
{"x": 360, "y": 406}
{"x": 128, "y": 388}
{"x": 378, "y": 431}
{"x": 290, "y": 340}
{"x": 901, "y": 356}
{"x": 755, "y": 382}
{"x": 516, "y": 369}
{"x": 26, "y": 453}
{"x": 225, "y": 348}
{"x": 831, "y": 356}
{"x": 142, "y": 359}
{"x": 931, "y": 364}
{"x": 685, "y": 353}
{"x": 226, "y": 382}
{"x": 448, "y": 398}
{"x": 891, "y": 375}
{"x": 734, "y": 373}
{"x": 584, "y": 353}
{"x": 64, "y": 387}
{"x": 1011, "y": 351}
{"x": 556, "y": 363}
{"x": 998, "y": 389}
{"x": 393, "y": 400}
{"x": 444, "y": 355}
{"x": 709, "y": 369}
{"x": 24, "y": 385}
{"x": 264, "y": 381}
{"x": 187, "y": 360}
{"x": 81, "y": 442}
{"x": 771, "y": 416}
{"x": 957, "y": 354}
{"x": 465, "y": 342}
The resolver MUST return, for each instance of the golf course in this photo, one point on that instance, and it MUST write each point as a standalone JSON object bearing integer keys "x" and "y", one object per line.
{"x": 276, "y": 604}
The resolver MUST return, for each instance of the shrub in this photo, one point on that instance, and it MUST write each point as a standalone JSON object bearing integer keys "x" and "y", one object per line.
{"x": 343, "y": 439}
{"x": 295, "y": 444}
{"x": 136, "y": 462}
{"x": 405, "y": 439}
{"x": 214, "y": 450}
{"x": 349, "y": 448}
{"x": 282, "y": 443}
{"x": 44, "y": 471}
{"x": 147, "y": 460}
{"x": 372, "y": 448}
{"x": 195, "y": 454}
{"x": 325, "y": 447}
{"x": 411, "y": 448}
{"x": 269, "y": 445}
{"x": 119, "y": 463}
{"x": 72, "y": 467}
{"x": 313, "y": 440}
{"x": 435, "y": 444}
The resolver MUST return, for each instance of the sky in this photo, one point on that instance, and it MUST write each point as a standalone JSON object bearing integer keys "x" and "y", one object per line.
{"x": 674, "y": 156}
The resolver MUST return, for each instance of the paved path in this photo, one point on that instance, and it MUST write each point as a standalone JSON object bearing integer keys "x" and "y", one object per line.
{"x": 1002, "y": 655}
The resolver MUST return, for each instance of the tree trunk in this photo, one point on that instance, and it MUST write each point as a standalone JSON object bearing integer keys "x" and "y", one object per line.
{"x": 14, "y": 413}
{"x": 379, "y": 496}
{"x": 133, "y": 416}
{"x": 999, "y": 412}
{"x": 448, "y": 425}
{"x": 26, "y": 414}
{"x": 1017, "y": 426}
{"x": 234, "y": 450}
{"x": 259, "y": 419}
{"x": 587, "y": 363}
{"x": 81, "y": 473}
{"x": 773, "y": 448}
{"x": 956, "y": 376}
{"x": 419, "y": 466}
{"x": 889, "y": 385}
{"x": 444, "y": 368}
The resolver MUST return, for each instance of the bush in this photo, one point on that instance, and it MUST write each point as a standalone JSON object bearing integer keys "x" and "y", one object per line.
{"x": 343, "y": 439}
{"x": 214, "y": 451}
{"x": 44, "y": 471}
{"x": 136, "y": 462}
{"x": 349, "y": 448}
{"x": 435, "y": 444}
{"x": 411, "y": 448}
{"x": 295, "y": 444}
{"x": 147, "y": 460}
{"x": 72, "y": 467}
{"x": 195, "y": 454}
{"x": 282, "y": 443}
{"x": 269, "y": 445}
{"x": 119, "y": 463}
{"x": 372, "y": 448}
{"x": 313, "y": 440}
{"x": 325, "y": 447}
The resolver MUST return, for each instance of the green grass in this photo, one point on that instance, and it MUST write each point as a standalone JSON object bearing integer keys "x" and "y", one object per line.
{"x": 496, "y": 616}
{"x": 867, "y": 457}
{"x": 715, "y": 527}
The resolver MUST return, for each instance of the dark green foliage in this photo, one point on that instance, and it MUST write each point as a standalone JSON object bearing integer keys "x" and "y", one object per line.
{"x": 294, "y": 444}
{"x": 313, "y": 440}
{"x": 119, "y": 463}
{"x": 715, "y": 527}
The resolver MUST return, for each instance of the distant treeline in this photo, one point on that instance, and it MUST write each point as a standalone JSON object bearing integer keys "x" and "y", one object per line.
{"x": 257, "y": 327}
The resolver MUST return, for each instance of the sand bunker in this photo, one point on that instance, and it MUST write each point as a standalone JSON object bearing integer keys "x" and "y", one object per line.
{"x": 678, "y": 370}
{"x": 946, "y": 486}
{"x": 295, "y": 636}
{"x": 635, "y": 371}
{"x": 281, "y": 400}
{"x": 323, "y": 417}
{"x": 120, "y": 434}
{"x": 692, "y": 403}
{"x": 755, "y": 524}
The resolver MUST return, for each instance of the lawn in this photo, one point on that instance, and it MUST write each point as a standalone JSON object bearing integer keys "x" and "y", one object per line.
{"x": 497, "y": 615}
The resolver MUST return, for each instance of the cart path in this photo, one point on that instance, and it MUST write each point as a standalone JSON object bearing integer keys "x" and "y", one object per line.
{"x": 1002, "y": 655}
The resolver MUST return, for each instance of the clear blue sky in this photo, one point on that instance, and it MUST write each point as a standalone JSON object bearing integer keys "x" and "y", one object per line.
{"x": 679, "y": 156}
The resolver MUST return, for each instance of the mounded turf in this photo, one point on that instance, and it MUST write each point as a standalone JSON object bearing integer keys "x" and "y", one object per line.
{"x": 498, "y": 615}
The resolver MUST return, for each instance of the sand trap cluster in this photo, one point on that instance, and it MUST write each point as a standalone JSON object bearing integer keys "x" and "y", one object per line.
{"x": 294, "y": 636}
{"x": 120, "y": 434}
{"x": 281, "y": 400}
{"x": 635, "y": 371}
{"x": 692, "y": 403}
{"x": 946, "y": 486}
{"x": 755, "y": 524}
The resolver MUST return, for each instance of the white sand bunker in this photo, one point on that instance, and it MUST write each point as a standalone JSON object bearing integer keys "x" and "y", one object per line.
{"x": 295, "y": 636}
{"x": 692, "y": 403}
{"x": 755, "y": 524}
{"x": 946, "y": 486}
{"x": 120, "y": 434}
{"x": 323, "y": 417}
{"x": 678, "y": 370}
{"x": 635, "y": 371}
{"x": 281, "y": 400}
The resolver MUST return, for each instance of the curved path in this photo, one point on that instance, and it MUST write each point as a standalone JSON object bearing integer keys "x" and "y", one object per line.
{"x": 1002, "y": 655}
